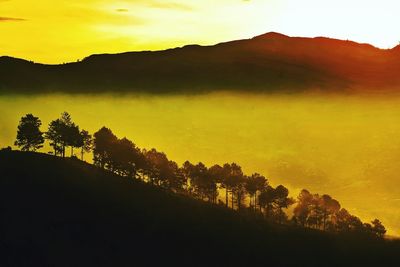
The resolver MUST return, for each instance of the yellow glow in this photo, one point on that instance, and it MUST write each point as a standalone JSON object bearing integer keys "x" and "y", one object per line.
{"x": 345, "y": 146}
{"x": 67, "y": 30}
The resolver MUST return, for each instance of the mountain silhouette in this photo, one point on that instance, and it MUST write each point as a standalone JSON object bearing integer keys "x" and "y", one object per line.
{"x": 267, "y": 63}
{"x": 64, "y": 212}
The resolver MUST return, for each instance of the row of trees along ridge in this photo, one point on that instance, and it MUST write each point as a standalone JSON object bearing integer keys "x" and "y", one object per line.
{"x": 244, "y": 193}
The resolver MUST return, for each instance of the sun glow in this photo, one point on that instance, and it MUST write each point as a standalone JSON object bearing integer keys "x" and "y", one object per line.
{"x": 70, "y": 30}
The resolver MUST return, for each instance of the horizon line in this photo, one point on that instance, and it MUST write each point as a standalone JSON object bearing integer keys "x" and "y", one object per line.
{"x": 271, "y": 33}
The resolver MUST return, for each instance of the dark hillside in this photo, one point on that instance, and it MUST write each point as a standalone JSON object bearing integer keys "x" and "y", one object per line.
{"x": 268, "y": 63}
{"x": 63, "y": 212}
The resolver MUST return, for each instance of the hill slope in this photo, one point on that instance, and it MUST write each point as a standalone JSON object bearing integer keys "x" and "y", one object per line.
{"x": 268, "y": 63}
{"x": 63, "y": 212}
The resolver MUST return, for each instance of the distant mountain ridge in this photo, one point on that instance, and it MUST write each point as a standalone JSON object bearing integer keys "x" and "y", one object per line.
{"x": 271, "y": 62}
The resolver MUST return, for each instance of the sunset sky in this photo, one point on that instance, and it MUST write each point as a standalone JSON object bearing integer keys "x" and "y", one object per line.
{"x": 60, "y": 31}
{"x": 339, "y": 145}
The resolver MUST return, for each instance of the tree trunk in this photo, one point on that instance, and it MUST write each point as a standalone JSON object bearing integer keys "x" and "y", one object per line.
{"x": 72, "y": 151}
{"x": 232, "y": 198}
{"x": 238, "y": 201}
{"x": 226, "y": 196}
{"x": 82, "y": 154}
{"x": 255, "y": 201}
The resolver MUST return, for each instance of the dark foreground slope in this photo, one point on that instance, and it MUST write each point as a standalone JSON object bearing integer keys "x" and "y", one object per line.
{"x": 268, "y": 63}
{"x": 63, "y": 212}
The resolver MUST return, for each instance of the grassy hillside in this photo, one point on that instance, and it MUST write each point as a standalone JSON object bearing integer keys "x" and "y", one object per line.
{"x": 267, "y": 63}
{"x": 63, "y": 212}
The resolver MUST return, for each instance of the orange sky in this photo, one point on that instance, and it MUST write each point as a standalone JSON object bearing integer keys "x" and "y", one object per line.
{"x": 66, "y": 30}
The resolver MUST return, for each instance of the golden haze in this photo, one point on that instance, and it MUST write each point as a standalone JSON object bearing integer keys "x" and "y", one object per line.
{"x": 345, "y": 146}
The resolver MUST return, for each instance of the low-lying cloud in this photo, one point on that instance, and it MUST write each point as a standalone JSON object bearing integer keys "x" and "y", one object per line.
{"x": 5, "y": 19}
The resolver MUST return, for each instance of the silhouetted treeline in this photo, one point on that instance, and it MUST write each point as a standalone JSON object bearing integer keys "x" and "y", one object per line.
{"x": 223, "y": 185}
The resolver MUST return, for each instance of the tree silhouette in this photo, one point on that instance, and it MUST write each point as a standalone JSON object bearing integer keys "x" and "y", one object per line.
{"x": 281, "y": 200}
{"x": 194, "y": 174}
{"x": 266, "y": 199}
{"x": 123, "y": 155}
{"x": 236, "y": 182}
{"x": 124, "y": 158}
{"x": 187, "y": 171}
{"x": 103, "y": 141}
{"x": 302, "y": 209}
{"x": 156, "y": 162}
{"x": 239, "y": 189}
{"x": 255, "y": 183}
{"x": 29, "y": 136}
{"x": 86, "y": 142}
{"x": 201, "y": 182}
{"x": 176, "y": 179}
{"x": 321, "y": 212}
{"x": 232, "y": 181}
{"x": 54, "y": 135}
{"x": 378, "y": 228}
{"x": 316, "y": 215}
{"x": 342, "y": 220}
{"x": 225, "y": 181}
{"x": 163, "y": 172}
{"x": 329, "y": 206}
{"x": 216, "y": 173}
{"x": 73, "y": 137}
{"x": 251, "y": 189}
{"x": 63, "y": 132}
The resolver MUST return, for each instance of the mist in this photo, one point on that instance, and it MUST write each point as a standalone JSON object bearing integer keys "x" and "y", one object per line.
{"x": 345, "y": 146}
